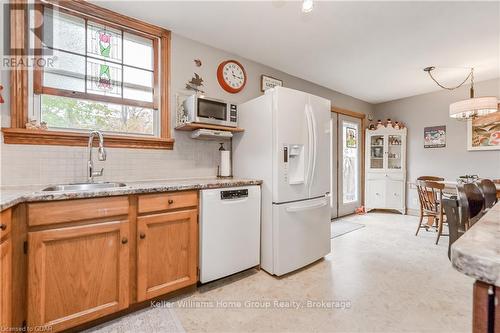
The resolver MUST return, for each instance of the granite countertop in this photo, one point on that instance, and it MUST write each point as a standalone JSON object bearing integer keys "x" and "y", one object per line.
{"x": 477, "y": 252}
{"x": 11, "y": 196}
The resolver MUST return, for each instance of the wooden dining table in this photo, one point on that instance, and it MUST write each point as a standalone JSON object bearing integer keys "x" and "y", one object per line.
{"x": 450, "y": 188}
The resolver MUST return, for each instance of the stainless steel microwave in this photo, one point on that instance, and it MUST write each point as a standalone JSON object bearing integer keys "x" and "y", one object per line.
{"x": 210, "y": 111}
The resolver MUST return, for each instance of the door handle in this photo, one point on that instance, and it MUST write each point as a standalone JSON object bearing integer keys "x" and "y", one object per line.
{"x": 170, "y": 201}
{"x": 302, "y": 208}
{"x": 124, "y": 240}
{"x": 142, "y": 235}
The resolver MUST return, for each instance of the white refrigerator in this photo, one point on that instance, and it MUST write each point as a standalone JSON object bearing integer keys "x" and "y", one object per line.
{"x": 286, "y": 143}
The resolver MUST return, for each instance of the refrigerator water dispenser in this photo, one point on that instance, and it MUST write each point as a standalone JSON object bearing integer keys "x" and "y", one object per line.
{"x": 296, "y": 161}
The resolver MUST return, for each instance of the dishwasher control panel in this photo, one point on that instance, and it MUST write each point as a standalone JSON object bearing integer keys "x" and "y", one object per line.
{"x": 233, "y": 194}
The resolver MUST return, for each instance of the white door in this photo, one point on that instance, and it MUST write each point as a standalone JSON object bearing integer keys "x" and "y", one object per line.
{"x": 349, "y": 164}
{"x": 301, "y": 233}
{"x": 292, "y": 141}
{"x": 333, "y": 166}
{"x": 319, "y": 177}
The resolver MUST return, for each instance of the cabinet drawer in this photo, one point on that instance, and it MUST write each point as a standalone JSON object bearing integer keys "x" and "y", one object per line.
{"x": 385, "y": 176}
{"x": 165, "y": 201}
{"x": 5, "y": 222}
{"x": 43, "y": 213}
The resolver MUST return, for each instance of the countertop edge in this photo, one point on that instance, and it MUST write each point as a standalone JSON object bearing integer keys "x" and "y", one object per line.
{"x": 477, "y": 253}
{"x": 134, "y": 188}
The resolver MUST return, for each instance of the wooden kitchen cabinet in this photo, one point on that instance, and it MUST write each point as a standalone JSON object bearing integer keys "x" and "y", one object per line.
{"x": 5, "y": 284}
{"x": 167, "y": 252}
{"x": 77, "y": 274}
{"x": 482, "y": 314}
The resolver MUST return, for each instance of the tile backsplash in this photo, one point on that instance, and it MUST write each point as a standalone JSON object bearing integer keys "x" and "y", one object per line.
{"x": 41, "y": 165}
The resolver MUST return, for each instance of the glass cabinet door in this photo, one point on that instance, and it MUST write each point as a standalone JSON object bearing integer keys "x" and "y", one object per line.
{"x": 377, "y": 151}
{"x": 394, "y": 152}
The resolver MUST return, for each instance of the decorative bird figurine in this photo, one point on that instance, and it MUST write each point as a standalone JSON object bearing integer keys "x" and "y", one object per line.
{"x": 195, "y": 83}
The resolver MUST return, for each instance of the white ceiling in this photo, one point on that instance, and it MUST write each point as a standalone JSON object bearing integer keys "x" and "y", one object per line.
{"x": 374, "y": 51}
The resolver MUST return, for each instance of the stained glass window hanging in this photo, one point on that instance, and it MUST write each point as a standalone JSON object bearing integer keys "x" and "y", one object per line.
{"x": 104, "y": 78}
{"x": 104, "y": 42}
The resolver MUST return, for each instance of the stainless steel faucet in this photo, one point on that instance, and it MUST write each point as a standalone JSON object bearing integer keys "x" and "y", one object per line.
{"x": 101, "y": 155}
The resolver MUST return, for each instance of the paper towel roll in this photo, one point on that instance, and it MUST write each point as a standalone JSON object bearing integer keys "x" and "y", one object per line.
{"x": 225, "y": 163}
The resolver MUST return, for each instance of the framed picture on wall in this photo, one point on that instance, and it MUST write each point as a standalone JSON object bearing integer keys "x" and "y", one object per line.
{"x": 268, "y": 82}
{"x": 483, "y": 133}
{"x": 435, "y": 137}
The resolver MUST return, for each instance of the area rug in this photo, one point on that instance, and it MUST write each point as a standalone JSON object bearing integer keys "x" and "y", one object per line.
{"x": 150, "y": 320}
{"x": 339, "y": 228}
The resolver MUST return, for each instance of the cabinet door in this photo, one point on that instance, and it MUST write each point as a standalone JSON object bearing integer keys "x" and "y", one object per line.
{"x": 375, "y": 196}
{"x": 5, "y": 283}
{"x": 77, "y": 274}
{"x": 376, "y": 151}
{"x": 167, "y": 252}
{"x": 394, "y": 194}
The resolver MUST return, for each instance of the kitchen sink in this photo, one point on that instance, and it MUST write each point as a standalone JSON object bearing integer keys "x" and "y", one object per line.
{"x": 83, "y": 186}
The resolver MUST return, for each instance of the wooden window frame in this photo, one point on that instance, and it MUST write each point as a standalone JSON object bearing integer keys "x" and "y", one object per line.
{"x": 18, "y": 134}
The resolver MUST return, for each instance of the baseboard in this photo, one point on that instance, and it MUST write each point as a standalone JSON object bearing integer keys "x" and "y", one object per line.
{"x": 413, "y": 212}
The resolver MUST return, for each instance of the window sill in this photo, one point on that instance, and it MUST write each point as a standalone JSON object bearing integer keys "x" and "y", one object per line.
{"x": 36, "y": 137}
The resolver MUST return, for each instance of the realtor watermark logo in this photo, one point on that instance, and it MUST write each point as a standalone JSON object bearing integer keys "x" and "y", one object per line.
{"x": 284, "y": 304}
{"x": 25, "y": 40}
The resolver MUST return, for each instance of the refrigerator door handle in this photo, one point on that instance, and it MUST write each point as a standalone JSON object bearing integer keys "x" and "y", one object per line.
{"x": 315, "y": 145}
{"x": 302, "y": 208}
{"x": 310, "y": 140}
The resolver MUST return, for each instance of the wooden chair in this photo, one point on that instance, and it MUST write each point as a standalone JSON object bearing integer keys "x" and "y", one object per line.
{"x": 430, "y": 195}
{"x": 457, "y": 223}
{"x": 471, "y": 201}
{"x": 489, "y": 191}
{"x": 430, "y": 220}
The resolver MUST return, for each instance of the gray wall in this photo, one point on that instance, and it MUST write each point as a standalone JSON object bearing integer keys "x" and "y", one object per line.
{"x": 452, "y": 161}
{"x": 184, "y": 51}
{"x": 23, "y": 165}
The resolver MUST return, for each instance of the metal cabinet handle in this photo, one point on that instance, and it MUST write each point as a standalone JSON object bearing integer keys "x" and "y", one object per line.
{"x": 170, "y": 201}
{"x": 124, "y": 240}
{"x": 3, "y": 226}
{"x": 142, "y": 235}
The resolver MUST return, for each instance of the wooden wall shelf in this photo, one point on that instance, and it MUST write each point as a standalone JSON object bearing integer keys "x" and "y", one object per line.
{"x": 194, "y": 126}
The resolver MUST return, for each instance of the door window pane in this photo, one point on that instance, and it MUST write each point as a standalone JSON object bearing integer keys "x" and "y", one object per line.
{"x": 350, "y": 146}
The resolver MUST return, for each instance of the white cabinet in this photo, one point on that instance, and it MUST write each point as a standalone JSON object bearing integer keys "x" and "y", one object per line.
{"x": 385, "y": 169}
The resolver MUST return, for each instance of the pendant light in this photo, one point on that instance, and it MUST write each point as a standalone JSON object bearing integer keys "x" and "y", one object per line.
{"x": 468, "y": 108}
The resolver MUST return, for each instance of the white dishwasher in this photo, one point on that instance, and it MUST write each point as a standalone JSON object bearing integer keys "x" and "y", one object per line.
{"x": 229, "y": 231}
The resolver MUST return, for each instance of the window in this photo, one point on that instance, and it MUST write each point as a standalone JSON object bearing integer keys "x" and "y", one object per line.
{"x": 109, "y": 73}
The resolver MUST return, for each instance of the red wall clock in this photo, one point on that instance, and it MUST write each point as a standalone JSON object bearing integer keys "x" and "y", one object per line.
{"x": 231, "y": 76}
